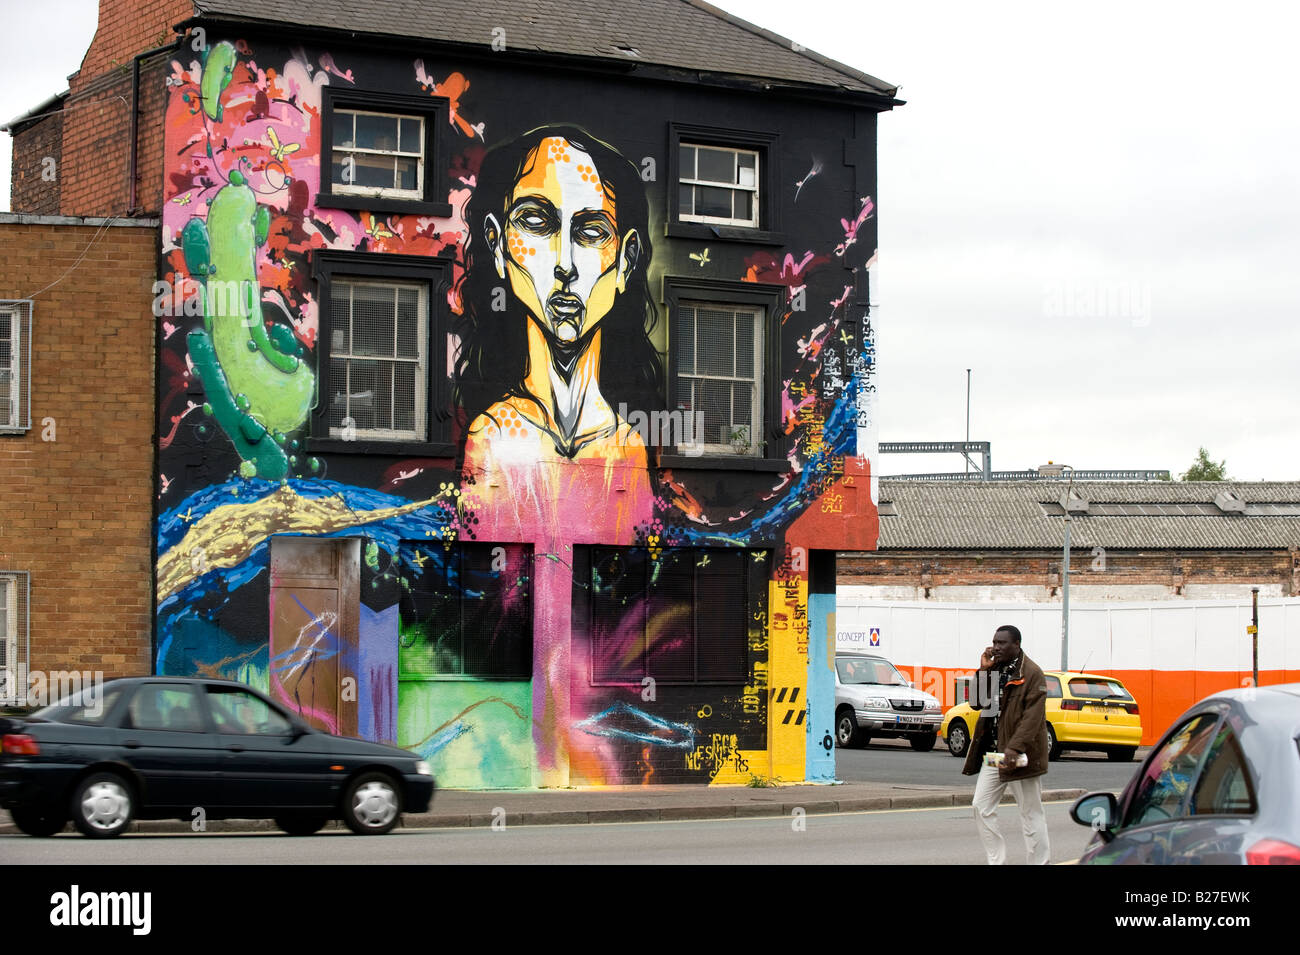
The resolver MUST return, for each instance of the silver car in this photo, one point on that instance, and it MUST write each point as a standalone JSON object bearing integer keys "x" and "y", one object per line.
{"x": 1221, "y": 788}
{"x": 873, "y": 699}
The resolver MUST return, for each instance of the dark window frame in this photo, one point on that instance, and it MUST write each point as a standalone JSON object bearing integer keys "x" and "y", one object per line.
{"x": 435, "y": 274}
{"x": 771, "y": 299}
{"x": 435, "y": 111}
{"x": 755, "y": 592}
{"x": 767, "y": 145}
{"x": 526, "y": 652}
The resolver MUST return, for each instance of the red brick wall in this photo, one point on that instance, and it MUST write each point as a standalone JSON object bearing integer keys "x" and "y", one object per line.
{"x": 31, "y": 188}
{"x": 97, "y": 115}
{"x": 1042, "y": 568}
{"x": 128, "y": 27}
{"x": 75, "y": 512}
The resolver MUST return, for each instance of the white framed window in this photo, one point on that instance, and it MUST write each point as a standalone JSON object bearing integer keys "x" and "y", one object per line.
{"x": 719, "y": 374}
{"x": 378, "y": 360}
{"x": 377, "y": 154}
{"x": 13, "y": 637}
{"x": 718, "y": 184}
{"x": 15, "y": 366}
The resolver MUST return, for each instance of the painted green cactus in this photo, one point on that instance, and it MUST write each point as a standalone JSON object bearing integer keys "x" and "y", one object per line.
{"x": 218, "y": 69}
{"x": 259, "y": 387}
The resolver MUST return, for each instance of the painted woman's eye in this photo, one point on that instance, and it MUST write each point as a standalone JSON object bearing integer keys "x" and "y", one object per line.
{"x": 535, "y": 220}
{"x": 593, "y": 232}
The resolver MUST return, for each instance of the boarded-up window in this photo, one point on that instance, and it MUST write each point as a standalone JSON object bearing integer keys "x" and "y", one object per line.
{"x": 466, "y": 610}
{"x": 681, "y": 618}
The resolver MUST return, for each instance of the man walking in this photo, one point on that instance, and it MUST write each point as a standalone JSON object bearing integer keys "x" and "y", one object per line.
{"x": 1011, "y": 693}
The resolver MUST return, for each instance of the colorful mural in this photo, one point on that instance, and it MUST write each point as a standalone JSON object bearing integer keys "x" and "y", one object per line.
{"x": 544, "y": 604}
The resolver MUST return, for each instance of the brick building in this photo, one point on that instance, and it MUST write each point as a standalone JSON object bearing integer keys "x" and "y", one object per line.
{"x": 76, "y": 446}
{"x": 515, "y": 374}
{"x": 1002, "y": 541}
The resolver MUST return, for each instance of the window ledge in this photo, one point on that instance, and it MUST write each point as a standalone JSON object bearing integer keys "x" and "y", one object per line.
{"x": 723, "y": 462}
{"x": 403, "y": 449}
{"x": 415, "y": 207}
{"x": 724, "y": 233}
{"x": 461, "y": 678}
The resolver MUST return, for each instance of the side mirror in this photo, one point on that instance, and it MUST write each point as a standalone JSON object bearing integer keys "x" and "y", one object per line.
{"x": 1097, "y": 811}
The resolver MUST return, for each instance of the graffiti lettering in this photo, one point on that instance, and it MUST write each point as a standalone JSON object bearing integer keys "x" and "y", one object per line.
{"x": 722, "y": 750}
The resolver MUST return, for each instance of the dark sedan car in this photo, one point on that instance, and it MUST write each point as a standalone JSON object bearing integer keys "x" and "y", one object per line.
{"x": 170, "y": 747}
{"x": 1221, "y": 788}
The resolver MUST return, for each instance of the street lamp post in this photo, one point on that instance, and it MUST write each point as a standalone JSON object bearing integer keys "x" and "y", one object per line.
{"x": 1056, "y": 470}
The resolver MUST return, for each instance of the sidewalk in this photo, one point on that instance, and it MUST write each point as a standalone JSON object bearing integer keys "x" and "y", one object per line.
{"x": 551, "y": 807}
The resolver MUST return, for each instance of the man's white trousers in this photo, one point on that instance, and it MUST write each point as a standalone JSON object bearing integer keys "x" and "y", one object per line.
{"x": 1029, "y": 798}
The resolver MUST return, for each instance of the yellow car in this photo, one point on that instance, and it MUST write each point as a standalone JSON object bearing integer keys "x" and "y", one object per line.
{"x": 1084, "y": 711}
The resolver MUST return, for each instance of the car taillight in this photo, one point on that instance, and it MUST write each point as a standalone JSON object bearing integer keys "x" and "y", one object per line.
{"x": 1071, "y": 704}
{"x": 1132, "y": 708}
{"x": 1273, "y": 852}
{"x": 20, "y": 744}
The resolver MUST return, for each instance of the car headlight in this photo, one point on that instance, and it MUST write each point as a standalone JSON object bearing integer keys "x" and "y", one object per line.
{"x": 877, "y": 703}
{"x": 422, "y": 768}
{"x": 933, "y": 707}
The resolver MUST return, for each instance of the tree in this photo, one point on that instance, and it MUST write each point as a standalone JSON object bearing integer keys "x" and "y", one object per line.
{"x": 1203, "y": 469}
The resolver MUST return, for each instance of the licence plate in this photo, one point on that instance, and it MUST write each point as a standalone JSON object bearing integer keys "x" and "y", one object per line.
{"x": 908, "y": 719}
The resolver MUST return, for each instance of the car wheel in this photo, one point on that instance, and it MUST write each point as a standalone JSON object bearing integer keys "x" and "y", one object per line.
{"x": 103, "y": 805}
{"x": 846, "y": 731}
{"x": 1053, "y": 747}
{"x": 923, "y": 744}
{"x": 301, "y": 825}
{"x": 958, "y": 737}
{"x": 1121, "y": 754}
{"x": 371, "y": 804}
{"x": 38, "y": 822}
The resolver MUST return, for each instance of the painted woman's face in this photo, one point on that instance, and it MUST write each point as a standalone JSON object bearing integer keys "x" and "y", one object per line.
{"x": 561, "y": 241}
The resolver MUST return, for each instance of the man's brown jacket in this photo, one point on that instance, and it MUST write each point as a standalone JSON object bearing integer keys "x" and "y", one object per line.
{"x": 1022, "y": 720}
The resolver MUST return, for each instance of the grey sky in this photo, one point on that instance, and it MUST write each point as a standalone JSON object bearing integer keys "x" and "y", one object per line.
{"x": 1095, "y": 208}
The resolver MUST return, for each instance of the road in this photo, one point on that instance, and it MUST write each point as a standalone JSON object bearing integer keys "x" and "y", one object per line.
{"x": 893, "y": 837}
{"x": 894, "y": 761}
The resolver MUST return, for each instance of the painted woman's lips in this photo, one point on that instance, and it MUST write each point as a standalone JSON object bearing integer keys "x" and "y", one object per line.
{"x": 565, "y": 311}
{"x": 564, "y": 306}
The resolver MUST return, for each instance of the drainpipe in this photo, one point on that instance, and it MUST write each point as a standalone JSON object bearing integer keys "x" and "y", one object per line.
{"x": 133, "y": 164}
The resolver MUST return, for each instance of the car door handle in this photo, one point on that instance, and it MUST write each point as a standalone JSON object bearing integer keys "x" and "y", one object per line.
{"x": 235, "y": 748}
{"x": 131, "y": 743}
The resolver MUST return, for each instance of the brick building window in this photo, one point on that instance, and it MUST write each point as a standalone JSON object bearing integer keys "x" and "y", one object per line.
{"x": 467, "y": 611}
{"x": 378, "y": 360}
{"x": 718, "y": 184}
{"x": 15, "y": 366}
{"x": 381, "y": 152}
{"x": 681, "y": 619}
{"x": 724, "y": 365}
{"x": 719, "y": 369}
{"x": 382, "y": 355}
{"x": 724, "y": 185}
{"x": 13, "y": 637}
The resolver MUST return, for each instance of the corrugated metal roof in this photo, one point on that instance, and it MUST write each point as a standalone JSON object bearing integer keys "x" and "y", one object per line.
{"x": 1010, "y": 514}
{"x": 686, "y": 34}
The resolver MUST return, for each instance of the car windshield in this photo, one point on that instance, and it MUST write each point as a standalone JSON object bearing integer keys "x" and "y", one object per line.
{"x": 873, "y": 671}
